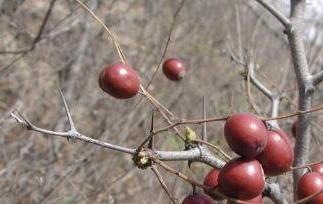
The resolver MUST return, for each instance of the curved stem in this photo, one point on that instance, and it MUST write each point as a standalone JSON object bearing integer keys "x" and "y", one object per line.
{"x": 281, "y": 17}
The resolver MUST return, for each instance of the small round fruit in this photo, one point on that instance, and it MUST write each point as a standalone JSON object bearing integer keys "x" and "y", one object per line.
{"x": 211, "y": 180}
{"x": 318, "y": 168}
{"x": 119, "y": 80}
{"x": 198, "y": 198}
{"x": 278, "y": 154}
{"x": 294, "y": 128}
{"x": 246, "y": 134}
{"x": 174, "y": 69}
{"x": 256, "y": 200}
{"x": 309, "y": 184}
{"x": 242, "y": 179}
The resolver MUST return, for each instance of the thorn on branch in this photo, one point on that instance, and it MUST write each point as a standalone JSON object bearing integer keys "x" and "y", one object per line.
{"x": 189, "y": 163}
{"x": 73, "y": 130}
{"x": 204, "y": 136}
{"x": 151, "y": 139}
{"x": 67, "y": 110}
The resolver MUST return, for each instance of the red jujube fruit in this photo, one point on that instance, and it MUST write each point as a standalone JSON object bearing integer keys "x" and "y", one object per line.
{"x": 278, "y": 154}
{"x": 246, "y": 134}
{"x": 119, "y": 80}
{"x": 242, "y": 178}
{"x": 309, "y": 184}
{"x": 174, "y": 69}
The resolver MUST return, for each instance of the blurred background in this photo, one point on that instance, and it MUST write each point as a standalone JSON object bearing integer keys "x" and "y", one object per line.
{"x": 71, "y": 49}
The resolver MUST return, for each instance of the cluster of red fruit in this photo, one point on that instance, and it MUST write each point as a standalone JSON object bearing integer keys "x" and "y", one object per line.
{"x": 262, "y": 152}
{"x": 121, "y": 81}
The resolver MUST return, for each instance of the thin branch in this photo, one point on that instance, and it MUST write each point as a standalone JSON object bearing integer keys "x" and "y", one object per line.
{"x": 236, "y": 59}
{"x": 267, "y": 24}
{"x": 167, "y": 43}
{"x": 111, "y": 34}
{"x": 317, "y": 78}
{"x": 69, "y": 134}
{"x": 163, "y": 184}
{"x": 164, "y": 52}
{"x": 248, "y": 86}
{"x": 305, "y": 166}
{"x": 195, "y": 154}
{"x": 155, "y": 101}
{"x": 186, "y": 122}
{"x": 250, "y": 67}
{"x": 308, "y": 198}
{"x": 38, "y": 36}
{"x": 274, "y": 111}
{"x": 12, "y": 62}
{"x": 275, "y": 12}
{"x": 258, "y": 84}
{"x": 41, "y": 30}
{"x": 161, "y": 109}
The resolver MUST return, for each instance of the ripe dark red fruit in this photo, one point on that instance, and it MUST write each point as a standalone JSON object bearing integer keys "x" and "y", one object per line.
{"x": 245, "y": 134}
{"x": 294, "y": 128}
{"x": 256, "y": 200}
{"x": 310, "y": 184}
{"x": 318, "y": 168}
{"x": 242, "y": 178}
{"x": 278, "y": 154}
{"x": 198, "y": 198}
{"x": 174, "y": 69}
{"x": 211, "y": 180}
{"x": 119, "y": 80}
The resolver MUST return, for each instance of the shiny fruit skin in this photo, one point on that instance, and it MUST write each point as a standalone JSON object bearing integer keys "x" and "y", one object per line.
{"x": 198, "y": 198}
{"x": 211, "y": 180}
{"x": 174, "y": 69}
{"x": 119, "y": 80}
{"x": 242, "y": 179}
{"x": 278, "y": 154}
{"x": 256, "y": 200}
{"x": 246, "y": 134}
{"x": 309, "y": 184}
{"x": 294, "y": 128}
{"x": 318, "y": 168}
